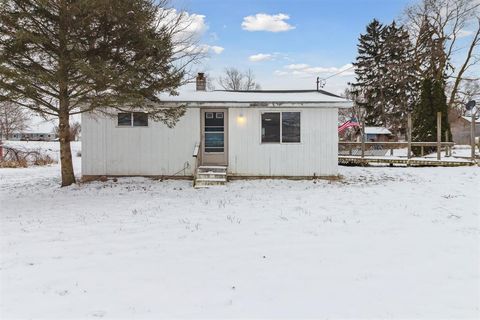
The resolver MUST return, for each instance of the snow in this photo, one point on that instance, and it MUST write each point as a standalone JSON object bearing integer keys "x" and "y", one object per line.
{"x": 377, "y": 130}
{"x": 189, "y": 94}
{"x": 380, "y": 243}
{"x": 469, "y": 119}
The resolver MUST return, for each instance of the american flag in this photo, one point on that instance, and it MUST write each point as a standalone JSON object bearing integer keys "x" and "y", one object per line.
{"x": 350, "y": 123}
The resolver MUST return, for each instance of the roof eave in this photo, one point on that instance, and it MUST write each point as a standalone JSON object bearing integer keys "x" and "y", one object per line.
{"x": 261, "y": 104}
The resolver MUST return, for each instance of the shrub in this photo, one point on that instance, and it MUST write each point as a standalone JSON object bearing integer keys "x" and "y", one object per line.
{"x": 22, "y": 158}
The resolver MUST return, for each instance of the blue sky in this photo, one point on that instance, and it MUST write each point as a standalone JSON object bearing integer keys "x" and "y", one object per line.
{"x": 312, "y": 38}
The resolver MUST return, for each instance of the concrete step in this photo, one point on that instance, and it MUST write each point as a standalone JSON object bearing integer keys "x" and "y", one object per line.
{"x": 202, "y": 183}
{"x": 212, "y": 169}
{"x": 206, "y": 173}
{"x": 210, "y": 176}
{"x": 211, "y": 180}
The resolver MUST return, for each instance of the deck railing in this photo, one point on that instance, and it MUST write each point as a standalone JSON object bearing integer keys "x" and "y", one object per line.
{"x": 197, "y": 154}
{"x": 381, "y": 148}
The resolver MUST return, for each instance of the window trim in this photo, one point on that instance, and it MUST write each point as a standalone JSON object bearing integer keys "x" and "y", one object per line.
{"x": 131, "y": 120}
{"x": 281, "y": 129}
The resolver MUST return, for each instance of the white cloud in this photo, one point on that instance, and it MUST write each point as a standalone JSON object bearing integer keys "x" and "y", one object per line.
{"x": 187, "y": 25}
{"x": 216, "y": 49}
{"x": 202, "y": 49}
{"x": 280, "y": 73}
{"x": 464, "y": 33}
{"x": 187, "y": 30}
{"x": 260, "y": 57}
{"x": 303, "y": 70}
{"x": 298, "y": 66}
{"x": 267, "y": 22}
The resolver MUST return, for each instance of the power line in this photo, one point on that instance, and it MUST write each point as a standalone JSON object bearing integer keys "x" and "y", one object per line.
{"x": 336, "y": 74}
{"x": 321, "y": 82}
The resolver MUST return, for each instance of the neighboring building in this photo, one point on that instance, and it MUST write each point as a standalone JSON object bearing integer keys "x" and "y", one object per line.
{"x": 32, "y": 136}
{"x": 378, "y": 134}
{"x": 460, "y": 128}
{"x": 266, "y": 133}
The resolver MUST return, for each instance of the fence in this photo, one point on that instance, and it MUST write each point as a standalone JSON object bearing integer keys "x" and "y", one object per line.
{"x": 380, "y": 149}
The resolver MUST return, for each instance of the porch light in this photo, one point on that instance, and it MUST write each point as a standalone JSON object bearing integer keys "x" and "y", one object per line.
{"x": 241, "y": 119}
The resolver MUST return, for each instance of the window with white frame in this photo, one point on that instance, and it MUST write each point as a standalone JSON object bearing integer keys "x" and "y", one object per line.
{"x": 132, "y": 119}
{"x": 280, "y": 127}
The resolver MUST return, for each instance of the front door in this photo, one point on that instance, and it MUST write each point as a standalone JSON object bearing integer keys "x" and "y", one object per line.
{"x": 214, "y": 136}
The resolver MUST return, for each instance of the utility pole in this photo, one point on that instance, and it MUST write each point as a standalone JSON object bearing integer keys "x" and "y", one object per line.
{"x": 409, "y": 135}
{"x": 363, "y": 111}
{"x": 439, "y": 134}
{"x": 469, "y": 106}
{"x": 472, "y": 135}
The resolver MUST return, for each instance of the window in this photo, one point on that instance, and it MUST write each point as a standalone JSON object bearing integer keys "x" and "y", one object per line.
{"x": 214, "y": 132}
{"x": 290, "y": 127}
{"x": 287, "y": 132}
{"x": 133, "y": 119}
{"x": 140, "y": 119}
{"x": 124, "y": 119}
{"x": 271, "y": 127}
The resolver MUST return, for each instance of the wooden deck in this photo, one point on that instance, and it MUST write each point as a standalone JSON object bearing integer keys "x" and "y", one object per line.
{"x": 418, "y": 162}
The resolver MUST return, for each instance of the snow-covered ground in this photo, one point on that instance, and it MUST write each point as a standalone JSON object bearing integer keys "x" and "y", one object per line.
{"x": 380, "y": 243}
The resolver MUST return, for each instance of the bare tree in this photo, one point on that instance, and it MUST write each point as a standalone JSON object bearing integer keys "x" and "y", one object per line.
{"x": 75, "y": 129}
{"x": 444, "y": 22}
{"x": 249, "y": 82}
{"x": 235, "y": 80}
{"x": 470, "y": 90}
{"x": 12, "y": 119}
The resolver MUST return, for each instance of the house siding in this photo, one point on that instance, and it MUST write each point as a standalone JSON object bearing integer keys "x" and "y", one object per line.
{"x": 154, "y": 150}
{"x": 316, "y": 154}
{"x": 158, "y": 150}
{"x": 460, "y": 129}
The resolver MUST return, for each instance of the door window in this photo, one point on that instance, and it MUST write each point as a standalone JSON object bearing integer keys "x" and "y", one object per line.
{"x": 214, "y": 132}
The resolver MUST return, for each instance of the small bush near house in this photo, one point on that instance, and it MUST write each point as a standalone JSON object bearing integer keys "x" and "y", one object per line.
{"x": 22, "y": 158}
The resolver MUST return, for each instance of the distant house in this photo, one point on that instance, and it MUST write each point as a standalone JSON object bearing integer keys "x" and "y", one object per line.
{"x": 32, "y": 136}
{"x": 262, "y": 133}
{"x": 460, "y": 128}
{"x": 378, "y": 134}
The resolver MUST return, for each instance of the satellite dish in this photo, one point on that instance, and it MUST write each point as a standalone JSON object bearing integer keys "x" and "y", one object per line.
{"x": 470, "y": 105}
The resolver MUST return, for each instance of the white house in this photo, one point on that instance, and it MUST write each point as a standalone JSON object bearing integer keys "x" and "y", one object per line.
{"x": 268, "y": 133}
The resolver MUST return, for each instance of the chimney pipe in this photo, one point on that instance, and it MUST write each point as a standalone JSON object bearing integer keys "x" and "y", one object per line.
{"x": 201, "y": 82}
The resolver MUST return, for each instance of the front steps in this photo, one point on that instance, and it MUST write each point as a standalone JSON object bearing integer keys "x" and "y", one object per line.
{"x": 210, "y": 176}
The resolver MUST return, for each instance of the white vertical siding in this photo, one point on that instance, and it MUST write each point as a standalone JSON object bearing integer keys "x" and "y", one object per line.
{"x": 153, "y": 150}
{"x": 159, "y": 150}
{"x": 315, "y": 154}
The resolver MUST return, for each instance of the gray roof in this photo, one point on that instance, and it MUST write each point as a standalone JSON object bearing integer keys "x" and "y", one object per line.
{"x": 277, "y": 98}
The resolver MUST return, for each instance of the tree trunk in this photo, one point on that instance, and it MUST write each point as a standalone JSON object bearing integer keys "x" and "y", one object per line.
{"x": 68, "y": 176}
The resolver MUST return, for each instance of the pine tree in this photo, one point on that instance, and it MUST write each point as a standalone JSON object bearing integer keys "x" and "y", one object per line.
{"x": 401, "y": 77}
{"x": 370, "y": 70}
{"x": 385, "y": 75}
{"x": 65, "y": 57}
{"x": 432, "y": 100}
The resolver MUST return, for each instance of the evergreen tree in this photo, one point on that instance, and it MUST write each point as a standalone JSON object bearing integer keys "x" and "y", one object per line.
{"x": 385, "y": 75}
{"x": 64, "y": 57}
{"x": 401, "y": 77}
{"x": 370, "y": 71}
{"x": 432, "y": 100}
